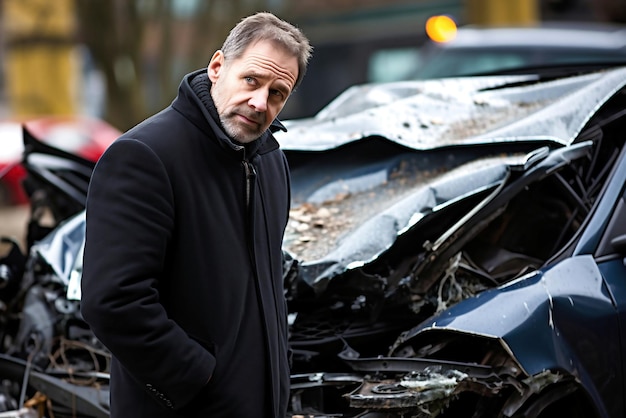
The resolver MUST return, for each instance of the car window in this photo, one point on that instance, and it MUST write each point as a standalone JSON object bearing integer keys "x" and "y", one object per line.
{"x": 584, "y": 56}
{"x": 394, "y": 64}
{"x": 464, "y": 62}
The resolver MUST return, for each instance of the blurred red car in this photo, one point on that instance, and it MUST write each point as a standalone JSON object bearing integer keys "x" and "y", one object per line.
{"x": 81, "y": 135}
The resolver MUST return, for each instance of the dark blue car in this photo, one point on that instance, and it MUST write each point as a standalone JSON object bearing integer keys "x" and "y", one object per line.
{"x": 457, "y": 249}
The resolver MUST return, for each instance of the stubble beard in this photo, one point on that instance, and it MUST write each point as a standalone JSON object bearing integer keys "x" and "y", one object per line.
{"x": 233, "y": 127}
{"x": 236, "y": 130}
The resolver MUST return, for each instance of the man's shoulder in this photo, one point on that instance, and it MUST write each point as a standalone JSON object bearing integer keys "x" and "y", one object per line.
{"x": 157, "y": 125}
{"x": 162, "y": 131}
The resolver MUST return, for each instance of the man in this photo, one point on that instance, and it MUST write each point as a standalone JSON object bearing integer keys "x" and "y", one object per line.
{"x": 186, "y": 212}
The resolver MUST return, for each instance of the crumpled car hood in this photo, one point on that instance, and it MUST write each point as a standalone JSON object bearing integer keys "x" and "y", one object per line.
{"x": 456, "y": 111}
{"x": 380, "y": 157}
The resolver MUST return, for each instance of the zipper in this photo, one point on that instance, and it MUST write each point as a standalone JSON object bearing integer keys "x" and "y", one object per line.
{"x": 251, "y": 175}
{"x": 250, "y": 178}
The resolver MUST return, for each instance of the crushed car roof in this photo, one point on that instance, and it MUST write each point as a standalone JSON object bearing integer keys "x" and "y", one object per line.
{"x": 457, "y": 111}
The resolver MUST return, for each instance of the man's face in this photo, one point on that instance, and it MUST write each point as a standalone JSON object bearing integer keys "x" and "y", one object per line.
{"x": 251, "y": 90}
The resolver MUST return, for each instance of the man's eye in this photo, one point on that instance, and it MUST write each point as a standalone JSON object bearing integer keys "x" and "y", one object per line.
{"x": 276, "y": 93}
{"x": 249, "y": 80}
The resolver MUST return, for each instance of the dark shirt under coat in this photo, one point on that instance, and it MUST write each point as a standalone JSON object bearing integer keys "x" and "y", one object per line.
{"x": 182, "y": 274}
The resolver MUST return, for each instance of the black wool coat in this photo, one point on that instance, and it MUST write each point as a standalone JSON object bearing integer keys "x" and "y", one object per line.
{"x": 182, "y": 276}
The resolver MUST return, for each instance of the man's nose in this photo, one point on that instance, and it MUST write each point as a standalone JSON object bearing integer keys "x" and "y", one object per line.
{"x": 258, "y": 101}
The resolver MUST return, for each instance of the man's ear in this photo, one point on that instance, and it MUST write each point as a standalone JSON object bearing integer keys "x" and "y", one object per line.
{"x": 215, "y": 65}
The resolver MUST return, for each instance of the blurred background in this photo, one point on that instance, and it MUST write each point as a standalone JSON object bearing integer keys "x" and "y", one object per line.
{"x": 122, "y": 60}
{"x": 82, "y": 71}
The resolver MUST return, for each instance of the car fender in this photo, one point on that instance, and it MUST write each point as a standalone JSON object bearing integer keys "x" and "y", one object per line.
{"x": 547, "y": 320}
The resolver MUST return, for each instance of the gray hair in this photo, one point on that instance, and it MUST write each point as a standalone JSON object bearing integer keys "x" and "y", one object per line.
{"x": 264, "y": 26}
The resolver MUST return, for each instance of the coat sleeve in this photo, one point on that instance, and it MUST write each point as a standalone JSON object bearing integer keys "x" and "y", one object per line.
{"x": 129, "y": 220}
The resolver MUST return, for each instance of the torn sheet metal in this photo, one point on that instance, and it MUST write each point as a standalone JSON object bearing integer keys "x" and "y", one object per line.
{"x": 62, "y": 250}
{"x": 412, "y": 391}
{"x": 377, "y": 226}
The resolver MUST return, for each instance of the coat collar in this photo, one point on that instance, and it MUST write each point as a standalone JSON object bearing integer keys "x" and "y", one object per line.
{"x": 195, "y": 103}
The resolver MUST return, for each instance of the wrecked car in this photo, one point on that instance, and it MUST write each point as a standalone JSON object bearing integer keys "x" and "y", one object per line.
{"x": 455, "y": 249}
{"x": 51, "y": 365}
